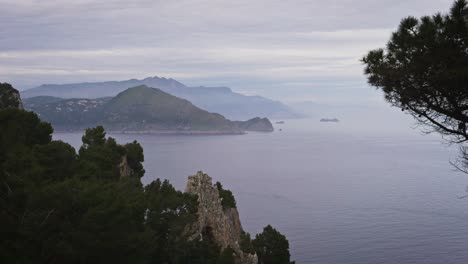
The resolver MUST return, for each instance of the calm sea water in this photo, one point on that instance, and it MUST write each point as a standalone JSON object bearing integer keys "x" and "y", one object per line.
{"x": 340, "y": 195}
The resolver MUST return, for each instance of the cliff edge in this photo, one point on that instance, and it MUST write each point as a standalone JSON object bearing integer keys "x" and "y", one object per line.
{"x": 221, "y": 225}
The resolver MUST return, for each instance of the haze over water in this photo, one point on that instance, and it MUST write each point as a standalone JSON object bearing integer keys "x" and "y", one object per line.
{"x": 341, "y": 193}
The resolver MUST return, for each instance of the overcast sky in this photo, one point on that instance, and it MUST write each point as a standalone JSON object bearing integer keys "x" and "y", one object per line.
{"x": 287, "y": 50}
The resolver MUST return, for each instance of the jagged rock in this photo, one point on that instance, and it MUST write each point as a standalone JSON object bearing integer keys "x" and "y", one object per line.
{"x": 9, "y": 97}
{"x": 214, "y": 223}
{"x": 124, "y": 168}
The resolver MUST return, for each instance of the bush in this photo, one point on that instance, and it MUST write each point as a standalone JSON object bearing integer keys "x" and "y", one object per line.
{"x": 227, "y": 199}
{"x": 272, "y": 247}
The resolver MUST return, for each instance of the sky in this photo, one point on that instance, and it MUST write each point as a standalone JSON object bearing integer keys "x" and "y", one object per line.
{"x": 286, "y": 50}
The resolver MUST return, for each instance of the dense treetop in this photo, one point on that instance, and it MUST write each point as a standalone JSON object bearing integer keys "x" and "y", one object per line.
{"x": 60, "y": 206}
{"x": 9, "y": 97}
{"x": 424, "y": 71}
{"x": 272, "y": 247}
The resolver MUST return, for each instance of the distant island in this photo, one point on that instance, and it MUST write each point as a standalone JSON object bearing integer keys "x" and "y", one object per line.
{"x": 333, "y": 120}
{"x": 140, "y": 109}
{"x": 223, "y": 100}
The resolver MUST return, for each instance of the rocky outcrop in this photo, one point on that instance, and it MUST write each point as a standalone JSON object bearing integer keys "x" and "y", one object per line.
{"x": 124, "y": 168}
{"x": 255, "y": 124}
{"x": 220, "y": 225}
{"x": 9, "y": 97}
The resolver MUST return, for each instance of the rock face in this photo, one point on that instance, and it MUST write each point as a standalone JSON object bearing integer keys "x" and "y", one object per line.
{"x": 124, "y": 168}
{"x": 9, "y": 97}
{"x": 221, "y": 226}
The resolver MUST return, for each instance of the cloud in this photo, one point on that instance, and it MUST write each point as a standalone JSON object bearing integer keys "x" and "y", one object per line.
{"x": 272, "y": 63}
{"x": 262, "y": 46}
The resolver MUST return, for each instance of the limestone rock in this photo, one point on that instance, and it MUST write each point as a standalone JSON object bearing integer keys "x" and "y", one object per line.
{"x": 9, "y": 97}
{"x": 222, "y": 226}
{"x": 124, "y": 168}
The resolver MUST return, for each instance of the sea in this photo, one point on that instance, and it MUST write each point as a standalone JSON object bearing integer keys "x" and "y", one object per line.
{"x": 340, "y": 193}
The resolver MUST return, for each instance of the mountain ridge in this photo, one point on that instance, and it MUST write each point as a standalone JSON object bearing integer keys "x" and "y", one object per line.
{"x": 139, "y": 109}
{"x": 214, "y": 99}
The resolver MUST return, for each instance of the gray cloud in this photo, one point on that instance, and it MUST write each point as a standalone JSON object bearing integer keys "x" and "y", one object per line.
{"x": 287, "y": 50}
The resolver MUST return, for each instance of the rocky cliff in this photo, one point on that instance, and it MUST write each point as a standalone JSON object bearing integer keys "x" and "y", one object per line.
{"x": 215, "y": 223}
{"x": 124, "y": 168}
{"x": 9, "y": 97}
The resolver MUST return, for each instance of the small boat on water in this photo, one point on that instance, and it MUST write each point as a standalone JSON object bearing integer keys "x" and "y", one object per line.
{"x": 334, "y": 120}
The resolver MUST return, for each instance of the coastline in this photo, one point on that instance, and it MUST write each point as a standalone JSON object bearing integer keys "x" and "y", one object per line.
{"x": 160, "y": 132}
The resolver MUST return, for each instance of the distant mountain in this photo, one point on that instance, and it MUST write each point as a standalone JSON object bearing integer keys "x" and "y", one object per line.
{"x": 214, "y": 99}
{"x": 138, "y": 109}
{"x": 144, "y": 108}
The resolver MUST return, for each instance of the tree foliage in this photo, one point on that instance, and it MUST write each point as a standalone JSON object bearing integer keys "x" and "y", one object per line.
{"x": 94, "y": 137}
{"x": 245, "y": 243}
{"x": 59, "y": 206}
{"x": 135, "y": 158}
{"x": 226, "y": 256}
{"x": 424, "y": 71}
{"x": 99, "y": 156}
{"x": 227, "y": 198}
{"x": 272, "y": 247}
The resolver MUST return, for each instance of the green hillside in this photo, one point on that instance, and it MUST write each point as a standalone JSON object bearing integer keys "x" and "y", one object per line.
{"x": 140, "y": 109}
{"x": 144, "y": 108}
{"x": 67, "y": 114}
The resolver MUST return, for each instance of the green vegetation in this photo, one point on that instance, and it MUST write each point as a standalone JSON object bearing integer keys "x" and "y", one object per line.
{"x": 142, "y": 107}
{"x": 67, "y": 114}
{"x": 245, "y": 243}
{"x": 227, "y": 199}
{"x": 424, "y": 71}
{"x": 226, "y": 257}
{"x": 136, "y": 109}
{"x": 59, "y": 206}
{"x": 134, "y": 156}
{"x": 9, "y": 97}
{"x": 272, "y": 247}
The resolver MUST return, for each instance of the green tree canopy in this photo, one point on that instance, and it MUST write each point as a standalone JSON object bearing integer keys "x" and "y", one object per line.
{"x": 272, "y": 247}
{"x": 135, "y": 157}
{"x": 424, "y": 71}
{"x": 22, "y": 128}
{"x": 227, "y": 198}
{"x": 94, "y": 137}
{"x": 101, "y": 157}
{"x": 59, "y": 206}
